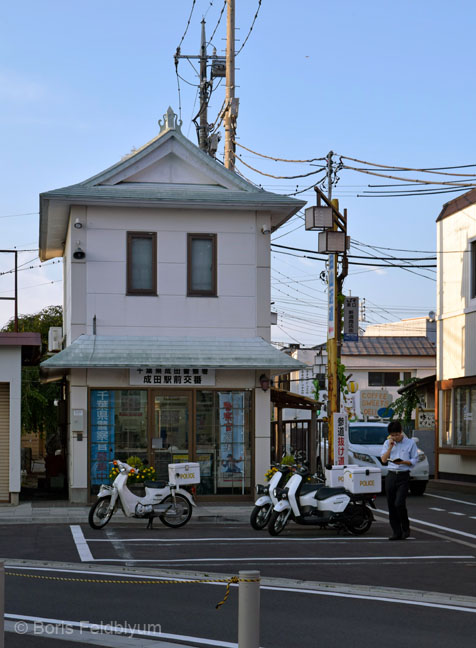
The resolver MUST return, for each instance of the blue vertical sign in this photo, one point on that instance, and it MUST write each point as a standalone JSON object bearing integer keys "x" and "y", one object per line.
{"x": 331, "y": 297}
{"x": 102, "y": 434}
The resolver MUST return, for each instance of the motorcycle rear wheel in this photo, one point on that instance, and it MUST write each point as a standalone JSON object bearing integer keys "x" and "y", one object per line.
{"x": 178, "y": 515}
{"x": 358, "y": 519}
{"x": 99, "y": 515}
{"x": 259, "y": 517}
{"x": 277, "y": 522}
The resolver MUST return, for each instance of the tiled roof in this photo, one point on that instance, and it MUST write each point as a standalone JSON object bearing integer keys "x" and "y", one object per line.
{"x": 390, "y": 346}
{"x": 457, "y": 204}
{"x": 122, "y": 352}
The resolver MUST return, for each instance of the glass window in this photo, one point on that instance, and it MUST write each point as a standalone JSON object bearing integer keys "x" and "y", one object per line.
{"x": 473, "y": 270}
{"x": 141, "y": 263}
{"x": 202, "y": 265}
{"x": 223, "y": 441}
{"x": 384, "y": 378}
{"x": 118, "y": 420}
{"x": 464, "y": 433}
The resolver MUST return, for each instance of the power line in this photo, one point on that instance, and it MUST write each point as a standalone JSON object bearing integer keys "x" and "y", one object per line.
{"x": 276, "y": 159}
{"x": 251, "y": 28}
{"x": 187, "y": 25}
{"x": 435, "y": 170}
{"x": 219, "y": 20}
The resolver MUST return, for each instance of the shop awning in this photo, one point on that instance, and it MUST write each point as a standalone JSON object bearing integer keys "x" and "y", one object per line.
{"x": 283, "y": 398}
{"x": 123, "y": 352}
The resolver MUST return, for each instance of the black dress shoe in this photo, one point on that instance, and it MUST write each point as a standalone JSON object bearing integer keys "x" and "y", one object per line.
{"x": 395, "y": 537}
{"x": 405, "y": 534}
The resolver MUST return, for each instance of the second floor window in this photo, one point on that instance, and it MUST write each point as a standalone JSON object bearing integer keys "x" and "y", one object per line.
{"x": 472, "y": 280}
{"x": 202, "y": 265}
{"x": 384, "y": 378}
{"x": 141, "y": 263}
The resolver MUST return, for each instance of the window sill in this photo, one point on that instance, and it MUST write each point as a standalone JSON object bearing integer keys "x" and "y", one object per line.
{"x": 138, "y": 294}
{"x": 470, "y": 450}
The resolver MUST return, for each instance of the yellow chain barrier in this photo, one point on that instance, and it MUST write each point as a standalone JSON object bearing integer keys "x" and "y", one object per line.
{"x": 228, "y": 581}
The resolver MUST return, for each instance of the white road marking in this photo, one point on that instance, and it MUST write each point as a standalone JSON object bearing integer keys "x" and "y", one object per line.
{"x": 435, "y": 508}
{"x": 450, "y": 499}
{"x": 81, "y": 543}
{"x": 250, "y": 539}
{"x": 456, "y": 513}
{"x": 93, "y": 627}
{"x": 286, "y": 559}
{"x": 436, "y": 526}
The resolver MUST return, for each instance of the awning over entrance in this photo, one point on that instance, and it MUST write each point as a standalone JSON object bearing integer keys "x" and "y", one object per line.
{"x": 282, "y": 398}
{"x": 122, "y": 352}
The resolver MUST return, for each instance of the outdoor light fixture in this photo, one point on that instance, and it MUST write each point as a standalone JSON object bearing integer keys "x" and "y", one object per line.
{"x": 79, "y": 253}
{"x": 264, "y": 382}
{"x": 78, "y": 224}
{"x": 265, "y": 229}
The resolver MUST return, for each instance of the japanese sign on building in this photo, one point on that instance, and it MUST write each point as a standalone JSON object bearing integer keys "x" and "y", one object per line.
{"x": 351, "y": 319}
{"x": 371, "y": 400}
{"x": 331, "y": 297}
{"x": 102, "y": 434}
{"x": 341, "y": 439}
{"x": 171, "y": 377}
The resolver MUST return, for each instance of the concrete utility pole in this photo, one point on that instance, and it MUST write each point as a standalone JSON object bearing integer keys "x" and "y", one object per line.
{"x": 231, "y": 107}
{"x": 203, "y": 95}
{"x": 15, "y": 298}
{"x": 332, "y": 331}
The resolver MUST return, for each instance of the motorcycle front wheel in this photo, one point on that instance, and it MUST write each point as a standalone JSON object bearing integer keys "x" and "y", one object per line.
{"x": 260, "y": 516}
{"x": 176, "y": 515}
{"x": 358, "y": 519}
{"x": 277, "y": 522}
{"x": 99, "y": 514}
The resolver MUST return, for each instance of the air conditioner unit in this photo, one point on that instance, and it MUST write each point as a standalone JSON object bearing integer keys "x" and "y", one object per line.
{"x": 55, "y": 338}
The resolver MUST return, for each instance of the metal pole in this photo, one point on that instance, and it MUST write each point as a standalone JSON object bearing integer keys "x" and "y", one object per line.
{"x": 2, "y": 604}
{"x": 248, "y": 609}
{"x": 16, "y": 291}
{"x": 230, "y": 85}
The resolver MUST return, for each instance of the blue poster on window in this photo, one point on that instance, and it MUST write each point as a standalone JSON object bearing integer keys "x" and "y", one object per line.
{"x": 102, "y": 434}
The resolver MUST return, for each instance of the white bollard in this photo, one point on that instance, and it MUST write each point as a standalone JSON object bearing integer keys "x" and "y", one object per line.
{"x": 248, "y": 609}
{"x": 2, "y": 604}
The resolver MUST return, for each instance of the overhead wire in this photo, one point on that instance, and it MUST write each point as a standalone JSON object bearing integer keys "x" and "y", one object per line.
{"x": 251, "y": 28}
{"x": 435, "y": 170}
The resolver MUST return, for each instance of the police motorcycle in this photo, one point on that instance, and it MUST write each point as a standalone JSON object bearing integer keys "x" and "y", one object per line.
{"x": 321, "y": 505}
{"x": 165, "y": 500}
{"x": 263, "y": 507}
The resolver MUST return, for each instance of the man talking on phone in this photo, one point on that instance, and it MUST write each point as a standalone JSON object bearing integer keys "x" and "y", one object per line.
{"x": 401, "y": 454}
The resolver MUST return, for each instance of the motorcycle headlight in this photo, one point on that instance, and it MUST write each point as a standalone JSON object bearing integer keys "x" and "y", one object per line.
{"x": 262, "y": 490}
{"x": 364, "y": 457}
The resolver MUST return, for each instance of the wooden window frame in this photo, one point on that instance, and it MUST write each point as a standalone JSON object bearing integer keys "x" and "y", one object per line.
{"x": 472, "y": 265}
{"x": 138, "y": 292}
{"x": 201, "y": 293}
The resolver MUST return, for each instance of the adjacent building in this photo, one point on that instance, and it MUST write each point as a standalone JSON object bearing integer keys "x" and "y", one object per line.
{"x": 456, "y": 318}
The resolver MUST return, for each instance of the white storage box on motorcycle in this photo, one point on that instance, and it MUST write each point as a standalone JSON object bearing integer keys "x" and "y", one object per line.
{"x": 358, "y": 479}
{"x": 335, "y": 475}
{"x": 184, "y": 473}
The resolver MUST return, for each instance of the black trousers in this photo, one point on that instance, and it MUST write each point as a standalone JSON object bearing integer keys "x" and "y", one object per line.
{"x": 396, "y": 489}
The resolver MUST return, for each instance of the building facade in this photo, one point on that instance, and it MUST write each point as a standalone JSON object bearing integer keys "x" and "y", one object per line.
{"x": 456, "y": 359}
{"x": 167, "y": 317}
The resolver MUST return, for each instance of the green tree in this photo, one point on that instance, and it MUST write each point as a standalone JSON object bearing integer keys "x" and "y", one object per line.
{"x": 404, "y": 406}
{"x": 38, "y": 413}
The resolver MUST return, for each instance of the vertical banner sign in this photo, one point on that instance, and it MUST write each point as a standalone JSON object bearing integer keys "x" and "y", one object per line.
{"x": 232, "y": 446}
{"x": 102, "y": 434}
{"x": 341, "y": 439}
{"x": 331, "y": 297}
{"x": 351, "y": 319}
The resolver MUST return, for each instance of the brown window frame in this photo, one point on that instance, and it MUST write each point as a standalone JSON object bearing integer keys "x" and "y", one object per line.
{"x": 134, "y": 291}
{"x": 472, "y": 263}
{"x": 201, "y": 293}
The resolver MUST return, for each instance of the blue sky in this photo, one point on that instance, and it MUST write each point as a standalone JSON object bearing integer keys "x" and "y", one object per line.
{"x": 83, "y": 83}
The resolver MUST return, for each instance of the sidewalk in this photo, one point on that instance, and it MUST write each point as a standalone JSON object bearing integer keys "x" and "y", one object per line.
{"x": 58, "y": 511}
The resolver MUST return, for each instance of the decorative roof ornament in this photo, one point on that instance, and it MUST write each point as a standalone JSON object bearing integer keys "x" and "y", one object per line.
{"x": 171, "y": 122}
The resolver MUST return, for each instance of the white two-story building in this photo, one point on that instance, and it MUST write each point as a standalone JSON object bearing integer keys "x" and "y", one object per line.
{"x": 456, "y": 356}
{"x": 167, "y": 350}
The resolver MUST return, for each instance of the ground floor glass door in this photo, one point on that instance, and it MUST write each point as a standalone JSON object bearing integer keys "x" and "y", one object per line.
{"x": 171, "y": 430}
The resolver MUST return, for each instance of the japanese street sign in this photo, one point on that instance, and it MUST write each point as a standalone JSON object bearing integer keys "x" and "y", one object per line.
{"x": 341, "y": 439}
{"x": 171, "y": 377}
{"x": 351, "y": 319}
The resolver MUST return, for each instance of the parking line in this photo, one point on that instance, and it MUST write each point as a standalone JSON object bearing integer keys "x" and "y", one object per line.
{"x": 450, "y": 499}
{"x": 81, "y": 543}
{"x": 241, "y": 539}
{"x": 436, "y": 526}
{"x": 286, "y": 559}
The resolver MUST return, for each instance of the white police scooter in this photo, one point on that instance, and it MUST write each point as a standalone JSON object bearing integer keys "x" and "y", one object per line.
{"x": 263, "y": 507}
{"x": 167, "y": 501}
{"x": 320, "y": 505}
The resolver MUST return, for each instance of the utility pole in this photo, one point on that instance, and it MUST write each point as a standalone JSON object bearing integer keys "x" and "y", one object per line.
{"x": 203, "y": 94}
{"x": 333, "y": 329}
{"x": 231, "y": 103}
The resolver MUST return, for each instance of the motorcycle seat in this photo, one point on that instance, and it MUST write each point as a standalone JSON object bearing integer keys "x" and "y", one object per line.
{"x": 155, "y": 484}
{"x": 327, "y": 491}
{"x": 309, "y": 488}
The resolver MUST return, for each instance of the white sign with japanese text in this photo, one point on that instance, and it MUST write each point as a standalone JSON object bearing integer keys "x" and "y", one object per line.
{"x": 341, "y": 439}
{"x": 171, "y": 377}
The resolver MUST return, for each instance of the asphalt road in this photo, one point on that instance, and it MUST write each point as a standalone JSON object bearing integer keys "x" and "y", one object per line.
{"x": 433, "y": 570}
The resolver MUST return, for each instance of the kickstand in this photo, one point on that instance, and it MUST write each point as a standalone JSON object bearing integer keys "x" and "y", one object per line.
{"x": 150, "y": 524}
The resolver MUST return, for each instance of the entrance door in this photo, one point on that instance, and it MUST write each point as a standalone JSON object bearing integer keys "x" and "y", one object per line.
{"x": 172, "y": 439}
{"x": 4, "y": 442}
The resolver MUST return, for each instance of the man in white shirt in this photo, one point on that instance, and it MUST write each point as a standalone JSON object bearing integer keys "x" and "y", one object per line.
{"x": 401, "y": 454}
